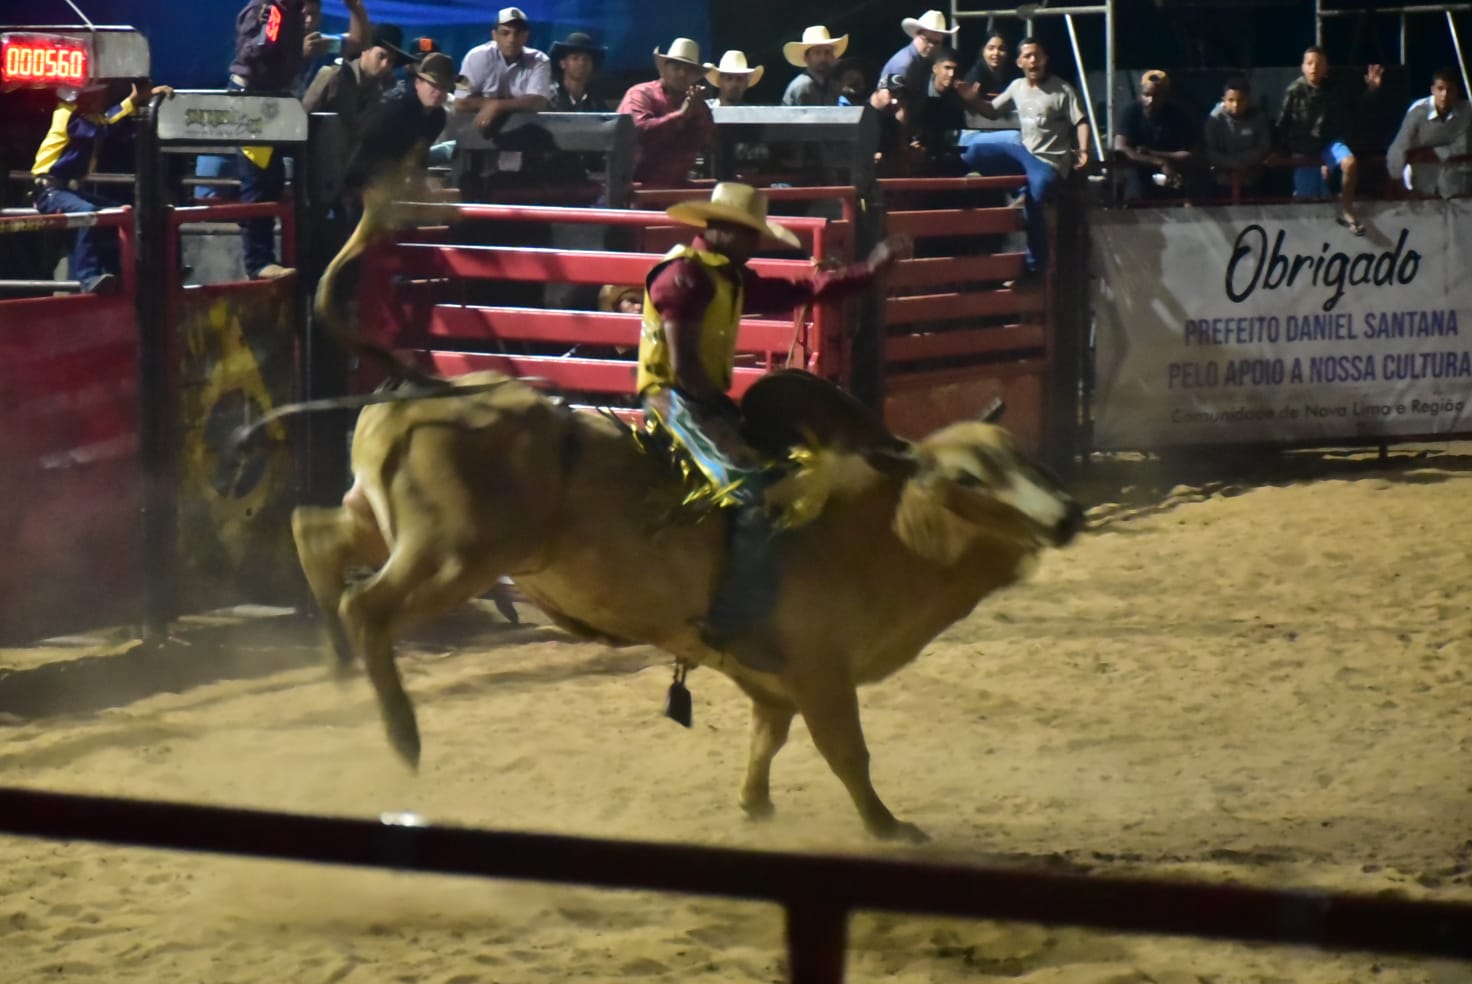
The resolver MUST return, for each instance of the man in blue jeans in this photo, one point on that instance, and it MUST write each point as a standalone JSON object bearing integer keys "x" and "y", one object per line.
{"x": 268, "y": 58}
{"x": 64, "y": 160}
{"x": 1054, "y": 140}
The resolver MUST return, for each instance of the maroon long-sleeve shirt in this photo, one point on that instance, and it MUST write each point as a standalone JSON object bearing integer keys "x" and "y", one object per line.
{"x": 669, "y": 141}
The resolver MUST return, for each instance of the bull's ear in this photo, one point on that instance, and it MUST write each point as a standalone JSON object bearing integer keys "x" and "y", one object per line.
{"x": 926, "y": 526}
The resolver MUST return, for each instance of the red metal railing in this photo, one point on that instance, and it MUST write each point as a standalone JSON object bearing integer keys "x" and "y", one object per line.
{"x": 818, "y": 892}
{"x": 408, "y": 290}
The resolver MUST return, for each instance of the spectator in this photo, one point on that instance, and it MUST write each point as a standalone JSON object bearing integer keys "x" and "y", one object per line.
{"x": 1157, "y": 137}
{"x": 504, "y": 75}
{"x": 852, "y": 82}
{"x": 1317, "y": 121}
{"x": 320, "y": 50}
{"x": 621, "y": 298}
{"x": 816, "y": 54}
{"x": 1436, "y": 129}
{"x": 403, "y": 125}
{"x": 937, "y": 118}
{"x": 912, "y": 62}
{"x": 65, "y": 158}
{"x": 351, "y": 88}
{"x": 269, "y": 45}
{"x": 1238, "y": 137}
{"x": 994, "y": 69}
{"x": 671, "y": 115}
{"x": 1054, "y": 140}
{"x": 576, "y": 59}
{"x": 731, "y": 78}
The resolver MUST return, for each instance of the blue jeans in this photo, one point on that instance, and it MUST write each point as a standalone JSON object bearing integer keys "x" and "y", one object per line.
{"x": 259, "y": 184}
{"x": 213, "y": 166}
{"x": 1007, "y": 156}
{"x": 94, "y": 251}
{"x": 1308, "y": 182}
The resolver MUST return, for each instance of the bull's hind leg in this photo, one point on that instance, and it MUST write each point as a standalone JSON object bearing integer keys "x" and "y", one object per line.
{"x": 770, "y": 721}
{"x": 830, "y": 707}
{"x": 420, "y": 579}
{"x": 328, "y": 542}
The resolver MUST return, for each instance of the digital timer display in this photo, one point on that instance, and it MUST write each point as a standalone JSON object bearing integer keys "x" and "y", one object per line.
{"x": 43, "y": 59}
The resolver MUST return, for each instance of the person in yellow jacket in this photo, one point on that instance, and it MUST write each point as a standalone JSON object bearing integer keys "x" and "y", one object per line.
{"x": 67, "y": 155}
{"x": 693, "y": 301}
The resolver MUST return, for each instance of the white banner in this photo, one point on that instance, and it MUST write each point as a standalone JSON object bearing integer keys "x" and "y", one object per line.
{"x": 1272, "y": 323}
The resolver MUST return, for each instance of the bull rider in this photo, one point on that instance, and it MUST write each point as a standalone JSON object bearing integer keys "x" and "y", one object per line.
{"x": 693, "y": 301}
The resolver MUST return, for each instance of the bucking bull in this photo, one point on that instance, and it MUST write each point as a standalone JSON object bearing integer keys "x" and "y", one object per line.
{"x": 898, "y": 540}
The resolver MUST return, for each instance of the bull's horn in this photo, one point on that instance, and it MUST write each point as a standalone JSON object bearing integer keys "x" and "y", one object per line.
{"x": 993, "y": 411}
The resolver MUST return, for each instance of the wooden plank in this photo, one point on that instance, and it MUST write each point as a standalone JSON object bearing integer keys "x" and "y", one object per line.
{"x": 956, "y": 269}
{"x": 954, "y": 306}
{"x": 901, "y": 378}
{"x": 964, "y": 342}
{"x": 500, "y": 324}
{"x": 588, "y": 375}
{"x": 954, "y": 222}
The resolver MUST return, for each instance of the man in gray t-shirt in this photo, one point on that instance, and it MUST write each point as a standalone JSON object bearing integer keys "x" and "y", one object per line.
{"x": 1054, "y": 140}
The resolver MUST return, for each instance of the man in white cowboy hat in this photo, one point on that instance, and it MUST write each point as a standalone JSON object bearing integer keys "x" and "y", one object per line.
{"x": 912, "y": 62}
{"x": 731, "y": 78}
{"x": 576, "y": 59}
{"x": 693, "y": 301}
{"x": 504, "y": 75}
{"x": 815, "y": 54}
{"x": 671, "y": 116}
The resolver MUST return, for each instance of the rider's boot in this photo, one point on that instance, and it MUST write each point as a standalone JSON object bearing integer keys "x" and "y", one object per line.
{"x": 746, "y": 594}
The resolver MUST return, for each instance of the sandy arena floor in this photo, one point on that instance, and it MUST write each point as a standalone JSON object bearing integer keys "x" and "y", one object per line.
{"x": 1263, "y": 683}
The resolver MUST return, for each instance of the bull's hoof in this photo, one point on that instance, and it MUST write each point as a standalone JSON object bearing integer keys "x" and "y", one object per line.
{"x": 759, "y": 812}
{"x": 899, "y": 830}
{"x": 403, "y": 736}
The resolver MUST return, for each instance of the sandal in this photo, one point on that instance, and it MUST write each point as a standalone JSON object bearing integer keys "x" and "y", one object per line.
{"x": 1355, "y": 227}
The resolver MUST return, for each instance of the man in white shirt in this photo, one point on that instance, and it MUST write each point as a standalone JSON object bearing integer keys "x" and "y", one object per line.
{"x": 1436, "y": 128}
{"x": 1055, "y": 141}
{"x": 504, "y": 75}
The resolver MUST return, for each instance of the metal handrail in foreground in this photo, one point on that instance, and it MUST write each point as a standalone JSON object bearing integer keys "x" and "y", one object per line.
{"x": 817, "y": 891}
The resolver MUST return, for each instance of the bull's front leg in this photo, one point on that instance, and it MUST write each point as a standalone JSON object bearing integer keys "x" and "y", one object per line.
{"x": 830, "y": 706}
{"x": 770, "y": 722}
{"x": 328, "y": 542}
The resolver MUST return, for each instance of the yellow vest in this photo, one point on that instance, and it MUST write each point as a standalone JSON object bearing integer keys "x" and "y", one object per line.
{"x": 717, "y": 326}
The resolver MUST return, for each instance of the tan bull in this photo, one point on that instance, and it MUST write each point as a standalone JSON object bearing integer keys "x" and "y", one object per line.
{"x": 452, "y": 493}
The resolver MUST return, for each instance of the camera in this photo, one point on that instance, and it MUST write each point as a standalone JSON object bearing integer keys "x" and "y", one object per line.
{"x": 334, "y": 43}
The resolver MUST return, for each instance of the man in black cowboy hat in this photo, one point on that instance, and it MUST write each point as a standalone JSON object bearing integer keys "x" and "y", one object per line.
{"x": 576, "y": 59}
{"x": 406, "y": 122}
{"x": 353, "y": 87}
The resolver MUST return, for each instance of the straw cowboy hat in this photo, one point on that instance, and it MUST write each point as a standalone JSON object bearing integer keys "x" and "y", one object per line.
{"x": 932, "y": 20}
{"x": 739, "y": 204}
{"x": 682, "y": 50}
{"x": 732, "y": 63}
{"x": 813, "y": 37}
{"x": 436, "y": 69}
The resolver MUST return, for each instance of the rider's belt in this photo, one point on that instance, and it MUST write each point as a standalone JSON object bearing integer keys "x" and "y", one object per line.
{"x": 48, "y": 182}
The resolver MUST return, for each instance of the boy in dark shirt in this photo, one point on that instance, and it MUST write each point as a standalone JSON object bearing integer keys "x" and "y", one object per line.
{"x": 1157, "y": 137}
{"x": 1317, "y": 121}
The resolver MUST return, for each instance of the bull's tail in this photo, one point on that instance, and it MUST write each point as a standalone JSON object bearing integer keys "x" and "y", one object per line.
{"x": 381, "y": 215}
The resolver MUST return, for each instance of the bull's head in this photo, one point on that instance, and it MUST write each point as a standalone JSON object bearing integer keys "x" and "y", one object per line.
{"x": 969, "y": 481}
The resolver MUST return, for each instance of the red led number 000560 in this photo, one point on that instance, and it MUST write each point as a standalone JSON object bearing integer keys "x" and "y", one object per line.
{"x": 54, "y": 61}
